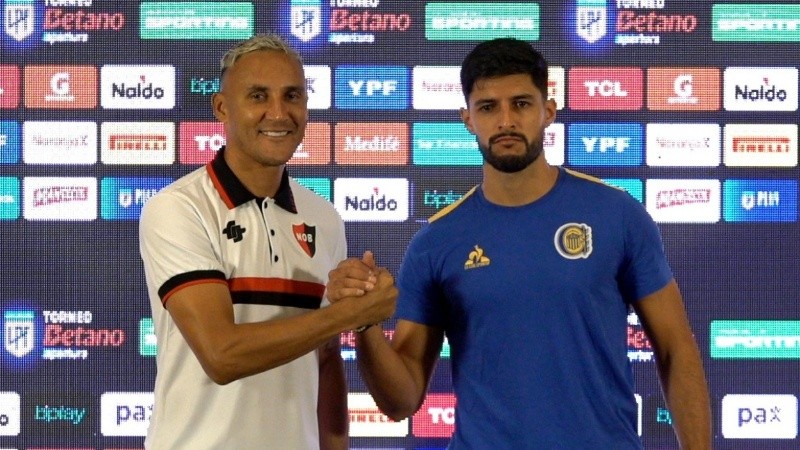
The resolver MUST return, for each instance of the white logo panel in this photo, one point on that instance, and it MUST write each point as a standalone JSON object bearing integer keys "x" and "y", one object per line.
{"x": 318, "y": 85}
{"x": 760, "y": 145}
{"x": 137, "y": 87}
{"x": 554, "y": 144}
{"x": 125, "y": 413}
{"x": 60, "y": 198}
{"x": 367, "y": 420}
{"x": 683, "y": 144}
{"x": 371, "y": 199}
{"x": 759, "y": 416}
{"x": 60, "y": 142}
{"x": 10, "y": 416}
{"x": 683, "y": 201}
{"x": 137, "y": 142}
{"x": 760, "y": 89}
{"x": 437, "y": 87}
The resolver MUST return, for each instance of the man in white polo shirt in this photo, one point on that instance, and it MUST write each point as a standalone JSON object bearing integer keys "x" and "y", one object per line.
{"x": 237, "y": 256}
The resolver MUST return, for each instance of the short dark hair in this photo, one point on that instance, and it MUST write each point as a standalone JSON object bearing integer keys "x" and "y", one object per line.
{"x": 501, "y": 57}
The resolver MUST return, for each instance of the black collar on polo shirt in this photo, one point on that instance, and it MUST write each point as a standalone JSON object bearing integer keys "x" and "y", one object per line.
{"x": 233, "y": 192}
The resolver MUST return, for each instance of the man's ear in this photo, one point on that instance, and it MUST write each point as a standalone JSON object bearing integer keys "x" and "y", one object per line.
{"x": 218, "y": 106}
{"x": 465, "y": 118}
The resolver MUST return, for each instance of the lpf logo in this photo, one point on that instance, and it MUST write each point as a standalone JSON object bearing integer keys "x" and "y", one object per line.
{"x": 19, "y": 18}
{"x": 19, "y": 332}
{"x": 306, "y": 17}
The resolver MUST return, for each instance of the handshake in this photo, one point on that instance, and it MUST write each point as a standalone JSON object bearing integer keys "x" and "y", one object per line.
{"x": 366, "y": 293}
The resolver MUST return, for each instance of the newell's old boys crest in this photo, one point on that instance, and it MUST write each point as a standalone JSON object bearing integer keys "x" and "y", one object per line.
{"x": 18, "y": 18}
{"x": 306, "y": 19}
{"x": 306, "y": 236}
{"x": 591, "y": 20}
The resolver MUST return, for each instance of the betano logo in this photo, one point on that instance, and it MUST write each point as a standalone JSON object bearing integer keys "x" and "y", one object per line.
{"x": 683, "y": 89}
{"x": 60, "y": 142}
{"x": 196, "y": 20}
{"x": 759, "y": 200}
{"x": 755, "y": 339}
{"x": 359, "y": 21}
{"x": 683, "y": 201}
{"x": 9, "y": 86}
{"x": 137, "y": 142}
{"x": 759, "y": 416}
{"x": 371, "y": 143}
{"x": 606, "y": 88}
{"x": 60, "y": 87}
{"x": 371, "y": 199}
{"x": 457, "y": 21}
{"x": 760, "y": 145}
{"x": 755, "y": 22}
{"x": 73, "y": 25}
{"x": 60, "y": 198}
{"x": 683, "y": 145}
{"x": 760, "y": 89}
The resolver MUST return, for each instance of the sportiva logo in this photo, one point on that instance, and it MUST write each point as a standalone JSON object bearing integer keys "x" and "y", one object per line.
{"x": 687, "y": 201}
{"x": 755, "y": 22}
{"x": 60, "y": 198}
{"x": 461, "y": 21}
{"x": 196, "y": 20}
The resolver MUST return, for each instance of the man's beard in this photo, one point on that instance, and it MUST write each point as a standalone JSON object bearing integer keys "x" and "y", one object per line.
{"x": 511, "y": 163}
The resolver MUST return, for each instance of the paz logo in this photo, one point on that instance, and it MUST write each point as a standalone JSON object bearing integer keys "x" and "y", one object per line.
{"x": 306, "y": 236}
{"x": 476, "y": 259}
{"x": 574, "y": 240}
{"x": 591, "y": 20}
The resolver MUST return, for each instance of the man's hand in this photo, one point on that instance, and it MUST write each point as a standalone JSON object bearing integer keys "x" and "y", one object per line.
{"x": 352, "y": 278}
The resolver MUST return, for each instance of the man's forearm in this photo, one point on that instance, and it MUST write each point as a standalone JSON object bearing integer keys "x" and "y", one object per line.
{"x": 686, "y": 394}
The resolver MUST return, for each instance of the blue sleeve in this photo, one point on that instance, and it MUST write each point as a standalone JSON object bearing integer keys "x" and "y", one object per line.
{"x": 419, "y": 298}
{"x": 646, "y": 269}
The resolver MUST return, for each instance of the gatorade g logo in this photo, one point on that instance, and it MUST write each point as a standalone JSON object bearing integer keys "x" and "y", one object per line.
{"x": 306, "y": 236}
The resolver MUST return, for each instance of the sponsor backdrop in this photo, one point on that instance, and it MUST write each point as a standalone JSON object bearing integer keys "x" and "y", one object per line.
{"x": 689, "y": 106}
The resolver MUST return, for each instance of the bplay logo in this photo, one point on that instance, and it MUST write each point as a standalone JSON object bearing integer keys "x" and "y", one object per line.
{"x": 10, "y": 203}
{"x": 9, "y": 86}
{"x": 125, "y": 413}
{"x": 683, "y": 89}
{"x": 137, "y": 87}
{"x": 61, "y": 87}
{"x": 605, "y": 88}
{"x": 57, "y": 414}
{"x": 759, "y": 416}
{"x": 366, "y": 420}
{"x": 437, "y": 87}
{"x": 9, "y": 142}
{"x": 444, "y": 144}
{"x": 755, "y": 22}
{"x": 605, "y": 144}
{"x": 371, "y": 87}
{"x": 371, "y": 199}
{"x": 196, "y": 20}
{"x": 683, "y": 144}
{"x": 60, "y": 198}
{"x": 60, "y": 142}
{"x": 759, "y": 200}
{"x": 318, "y": 86}
{"x": 200, "y": 141}
{"x": 760, "y": 89}
{"x": 760, "y": 145}
{"x": 137, "y": 142}
{"x": 435, "y": 194}
{"x": 436, "y": 417}
{"x": 316, "y": 146}
{"x": 371, "y": 143}
{"x": 10, "y": 415}
{"x": 123, "y": 198}
{"x": 460, "y": 21}
{"x": 683, "y": 201}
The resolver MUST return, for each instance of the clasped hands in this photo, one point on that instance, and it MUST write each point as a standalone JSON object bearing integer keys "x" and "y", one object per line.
{"x": 369, "y": 290}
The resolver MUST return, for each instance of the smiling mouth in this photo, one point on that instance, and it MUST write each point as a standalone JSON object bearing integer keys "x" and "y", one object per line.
{"x": 275, "y": 133}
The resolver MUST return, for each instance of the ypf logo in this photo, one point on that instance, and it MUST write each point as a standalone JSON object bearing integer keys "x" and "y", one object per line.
{"x": 306, "y": 236}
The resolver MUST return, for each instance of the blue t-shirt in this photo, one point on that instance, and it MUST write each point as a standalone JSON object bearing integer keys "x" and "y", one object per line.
{"x": 534, "y": 301}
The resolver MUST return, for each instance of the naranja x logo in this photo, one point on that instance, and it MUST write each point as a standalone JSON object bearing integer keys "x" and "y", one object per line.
{"x": 234, "y": 231}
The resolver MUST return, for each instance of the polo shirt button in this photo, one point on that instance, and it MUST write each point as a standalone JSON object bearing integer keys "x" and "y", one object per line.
{"x": 272, "y": 232}
{"x": 276, "y": 258}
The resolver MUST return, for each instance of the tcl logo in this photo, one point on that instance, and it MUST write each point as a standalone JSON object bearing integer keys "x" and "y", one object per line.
{"x": 200, "y": 141}
{"x": 436, "y": 417}
{"x": 605, "y": 88}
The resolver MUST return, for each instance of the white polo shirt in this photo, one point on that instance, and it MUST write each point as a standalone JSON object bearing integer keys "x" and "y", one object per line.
{"x": 274, "y": 254}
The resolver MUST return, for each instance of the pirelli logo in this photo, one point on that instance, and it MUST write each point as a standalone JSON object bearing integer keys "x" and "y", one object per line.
{"x": 760, "y": 145}
{"x": 137, "y": 142}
